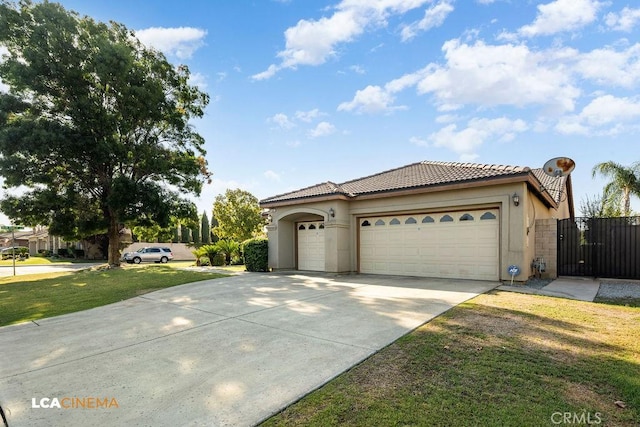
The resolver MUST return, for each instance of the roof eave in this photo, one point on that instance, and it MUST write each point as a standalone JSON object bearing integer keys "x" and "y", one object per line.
{"x": 541, "y": 192}
{"x": 298, "y": 200}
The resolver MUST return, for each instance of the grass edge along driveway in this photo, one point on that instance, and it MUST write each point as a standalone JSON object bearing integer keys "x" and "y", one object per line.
{"x": 33, "y": 297}
{"x": 500, "y": 359}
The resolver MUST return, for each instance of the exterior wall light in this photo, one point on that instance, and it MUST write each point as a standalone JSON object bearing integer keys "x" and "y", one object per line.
{"x": 332, "y": 213}
{"x": 516, "y": 199}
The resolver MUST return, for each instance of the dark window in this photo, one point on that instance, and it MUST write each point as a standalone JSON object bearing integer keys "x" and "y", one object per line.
{"x": 427, "y": 219}
{"x": 466, "y": 217}
{"x": 488, "y": 215}
{"x": 394, "y": 221}
{"x": 366, "y": 223}
{"x": 312, "y": 227}
{"x": 302, "y": 227}
{"x": 321, "y": 227}
{"x": 410, "y": 220}
{"x": 446, "y": 218}
{"x": 154, "y": 250}
{"x": 379, "y": 222}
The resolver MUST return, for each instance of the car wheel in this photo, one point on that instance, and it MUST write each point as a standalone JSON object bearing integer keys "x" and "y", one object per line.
{"x": 164, "y": 259}
{"x": 136, "y": 260}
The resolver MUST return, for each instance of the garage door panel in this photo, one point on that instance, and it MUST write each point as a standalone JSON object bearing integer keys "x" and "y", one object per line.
{"x": 311, "y": 246}
{"x": 461, "y": 246}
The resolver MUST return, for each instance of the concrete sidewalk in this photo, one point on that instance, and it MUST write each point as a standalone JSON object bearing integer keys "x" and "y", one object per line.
{"x": 224, "y": 352}
{"x": 577, "y": 288}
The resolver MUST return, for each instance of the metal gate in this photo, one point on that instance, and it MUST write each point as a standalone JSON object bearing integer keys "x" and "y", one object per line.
{"x": 599, "y": 247}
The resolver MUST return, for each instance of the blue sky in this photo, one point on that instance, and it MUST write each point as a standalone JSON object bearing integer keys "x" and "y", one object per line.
{"x": 305, "y": 91}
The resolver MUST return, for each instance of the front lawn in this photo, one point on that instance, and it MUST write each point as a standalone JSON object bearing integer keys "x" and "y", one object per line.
{"x": 501, "y": 359}
{"x": 33, "y": 297}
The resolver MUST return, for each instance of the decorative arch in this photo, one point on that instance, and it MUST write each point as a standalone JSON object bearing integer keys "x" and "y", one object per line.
{"x": 286, "y": 215}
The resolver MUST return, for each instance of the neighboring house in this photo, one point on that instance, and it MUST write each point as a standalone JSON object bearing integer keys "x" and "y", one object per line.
{"x": 432, "y": 219}
{"x": 37, "y": 240}
{"x": 21, "y": 238}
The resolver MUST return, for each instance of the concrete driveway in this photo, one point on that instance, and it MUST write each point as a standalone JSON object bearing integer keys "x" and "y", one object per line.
{"x": 225, "y": 352}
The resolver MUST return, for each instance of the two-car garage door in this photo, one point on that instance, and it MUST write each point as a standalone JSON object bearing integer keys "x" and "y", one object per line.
{"x": 461, "y": 244}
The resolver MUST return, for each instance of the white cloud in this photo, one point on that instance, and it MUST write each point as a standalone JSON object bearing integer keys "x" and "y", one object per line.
{"x": 267, "y": 74}
{"x": 271, "y": 175}
{"x": 623, "y": 21}
{"x": 281, "y": 120}
{"x": 419, "y": 141}
{"x": 447, "y": 118}
{"x": 610, "y": 67}
{"x": 605, "y": 115}
{"x": 221, "y": 76}
{"x": 357, "y": 69}
{"x": 372, "y": 99}
{"x": 181, "y": 42}
{"x": 308, "y": 116}
{"x": 492, "y": 75}
{"x": 322, "y": 129}
{"x": 433, "y": 17}
{"x": 199, "y": 80}
{"x": 313, "y": 42}
{"x": 560, "y": 16}
{"x": 466, "y": 141}
{"x": 375, "y": 99}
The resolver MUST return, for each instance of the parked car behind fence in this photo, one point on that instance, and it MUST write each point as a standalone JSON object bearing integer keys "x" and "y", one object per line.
{"x": 15, "y": 252}
{"x": 148, "y": 254}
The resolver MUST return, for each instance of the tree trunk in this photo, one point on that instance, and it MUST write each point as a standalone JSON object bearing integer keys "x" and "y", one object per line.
{"x": 626, "y": 201}
{"x": 114, "y": 242}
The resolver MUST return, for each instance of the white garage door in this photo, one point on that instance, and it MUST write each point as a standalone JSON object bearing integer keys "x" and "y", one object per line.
{"x": 462, "y": 245}
{"x": 311, "y": 246}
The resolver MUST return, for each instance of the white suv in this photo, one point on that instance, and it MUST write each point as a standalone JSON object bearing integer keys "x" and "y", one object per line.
{"x": 153, "y": 253}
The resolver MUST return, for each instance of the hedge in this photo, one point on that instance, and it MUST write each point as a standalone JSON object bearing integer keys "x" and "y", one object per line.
{"x": 256, "y": 254}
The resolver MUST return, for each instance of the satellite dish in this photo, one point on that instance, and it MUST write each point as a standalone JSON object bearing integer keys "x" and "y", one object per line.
{"x": 559, "y": 166}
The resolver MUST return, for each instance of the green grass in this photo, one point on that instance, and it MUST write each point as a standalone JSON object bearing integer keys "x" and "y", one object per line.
{"x": 501, "y": 359}
{"x": 33, "y": 297}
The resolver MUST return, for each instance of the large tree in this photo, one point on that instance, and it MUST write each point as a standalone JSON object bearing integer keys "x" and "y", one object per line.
{"x": 238, "y": 215}
{"x": 624, "y": 183}
{"x": 95, "y": 126}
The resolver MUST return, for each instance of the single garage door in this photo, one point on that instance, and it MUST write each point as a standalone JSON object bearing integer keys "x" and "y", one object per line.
{"x": 462, "y": 245}
{"x": 311, "y": 246}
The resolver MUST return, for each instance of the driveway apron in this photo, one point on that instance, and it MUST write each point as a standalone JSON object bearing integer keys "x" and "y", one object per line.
{"x": 224, "y": 352}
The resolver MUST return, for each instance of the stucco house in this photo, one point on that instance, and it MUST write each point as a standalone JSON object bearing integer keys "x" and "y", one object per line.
{"x": 432, "y": 219}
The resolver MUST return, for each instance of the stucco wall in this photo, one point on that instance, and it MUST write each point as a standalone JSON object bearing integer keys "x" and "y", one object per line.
{"x": 517, "y": 223}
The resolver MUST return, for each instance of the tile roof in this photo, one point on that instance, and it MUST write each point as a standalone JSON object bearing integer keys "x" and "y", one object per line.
{"x": 417, "y": 175}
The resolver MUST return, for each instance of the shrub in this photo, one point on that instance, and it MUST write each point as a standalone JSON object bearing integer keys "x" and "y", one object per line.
{"x": 78, "y": 253}
{"x": 229, "y": 248}
{"x": 63, "y": 252}
{"x": 256, "y": 254}
{"x": 211, "y": 252}
{"x": 218, "y": 260}
{"x": 203, "y": 261}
